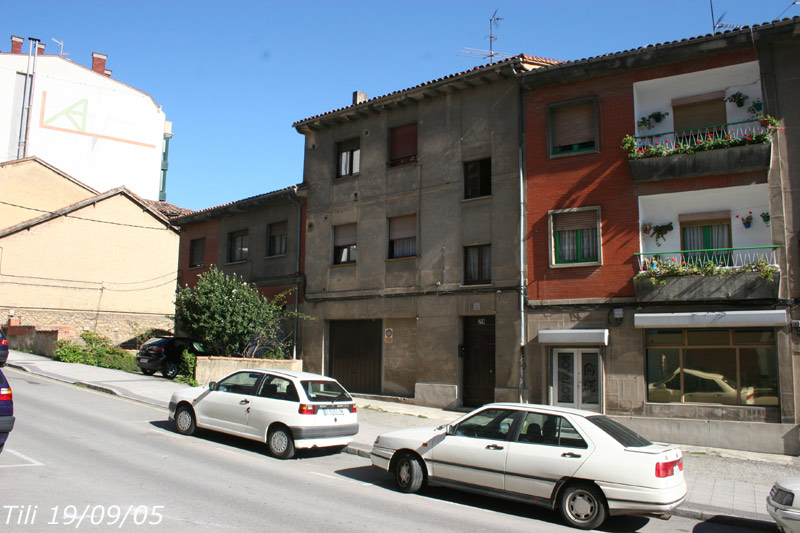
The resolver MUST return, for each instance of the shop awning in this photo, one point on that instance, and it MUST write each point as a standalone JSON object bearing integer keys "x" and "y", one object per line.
{"x": 720, "y": 319}
{"x": 574, "y": 337}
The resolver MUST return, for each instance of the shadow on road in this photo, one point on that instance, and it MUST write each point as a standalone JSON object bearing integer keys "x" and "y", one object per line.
{"x": 732, "y": 525}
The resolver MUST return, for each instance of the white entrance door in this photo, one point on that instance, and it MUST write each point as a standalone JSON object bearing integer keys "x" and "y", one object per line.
{"x": 577, "y": 378}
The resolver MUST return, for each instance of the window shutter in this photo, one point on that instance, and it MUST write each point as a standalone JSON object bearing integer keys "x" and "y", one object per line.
{"x": 344, "y": 235}
{"x": 403, "y": 142}
{"x": 279, "y": 228}
{"x": 575, "y": 220}
{"x": 699, "y": 115}
{"x": 402, "y": 227}
{"x": 573, "y": 124}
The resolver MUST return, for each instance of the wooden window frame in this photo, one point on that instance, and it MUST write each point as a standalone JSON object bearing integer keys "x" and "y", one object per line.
{"x": 238, "y": 246}
{"x": 272, "y": 231}
{"x": 193, "y": 261}
{"x": 351, "y": 147}
{"x": 482, "y": 278}
{"x": 555, "y": 262}
{"x": 478, "y": 178}
{"x": 554, "y": 151}
{"x": 408, "y": 231}
{"x": 344, "y": 250}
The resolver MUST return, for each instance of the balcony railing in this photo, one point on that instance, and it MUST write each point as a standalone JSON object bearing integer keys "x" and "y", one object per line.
{"x": 752, "y": 131}
{"x": 721, "y": 257}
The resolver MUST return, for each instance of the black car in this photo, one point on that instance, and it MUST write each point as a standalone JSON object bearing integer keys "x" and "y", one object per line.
{"x": 6, "y": 410}
{"x": 3, "y": 348}
{"x": 164, "y": 354}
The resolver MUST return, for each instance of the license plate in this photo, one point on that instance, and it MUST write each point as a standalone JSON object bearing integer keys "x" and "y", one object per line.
{"x": 334, "y": 412}
{"x": 143, "y": 360}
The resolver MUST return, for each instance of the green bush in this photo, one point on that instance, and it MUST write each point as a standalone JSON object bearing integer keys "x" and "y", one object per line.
{"x": 98, "y": 351}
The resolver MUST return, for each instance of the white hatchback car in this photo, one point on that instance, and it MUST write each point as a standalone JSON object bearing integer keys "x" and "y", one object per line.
{"x": 285, "y": 409}
{"x": 584, "y": 464}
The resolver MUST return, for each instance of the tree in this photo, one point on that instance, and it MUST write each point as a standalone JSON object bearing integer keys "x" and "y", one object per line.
{"x": 232, "y": 317}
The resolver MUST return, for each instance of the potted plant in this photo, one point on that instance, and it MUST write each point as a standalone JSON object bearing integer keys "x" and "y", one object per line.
{"x": 658, "y": 116}
{"x": 645, "y": 123}
{"x": 659, "y": 231}
{"x": 766, "y": 218}
{"x": 755, "y": 107}
{"x": 737, "y": 98}
{"x": 747, "y": 219}
{"x": 646, "y": 227}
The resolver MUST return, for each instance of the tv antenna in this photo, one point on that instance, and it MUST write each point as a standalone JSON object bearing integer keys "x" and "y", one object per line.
{"x": 60, "y": 44}
{"x": 718, "y": 25}
{"x": 490, "y": 53}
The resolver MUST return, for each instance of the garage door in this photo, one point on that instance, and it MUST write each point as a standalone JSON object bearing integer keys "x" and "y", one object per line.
{"x": 355, "y": 354}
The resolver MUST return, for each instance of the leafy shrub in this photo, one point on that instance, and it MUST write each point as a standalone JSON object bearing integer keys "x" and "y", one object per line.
{"x": 97, "y": 351}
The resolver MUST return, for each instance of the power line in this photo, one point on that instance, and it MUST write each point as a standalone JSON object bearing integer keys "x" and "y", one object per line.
{"x": 66, "y": 215}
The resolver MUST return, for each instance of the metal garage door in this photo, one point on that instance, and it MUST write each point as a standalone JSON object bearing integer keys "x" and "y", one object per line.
{"x": 355, "y": 354}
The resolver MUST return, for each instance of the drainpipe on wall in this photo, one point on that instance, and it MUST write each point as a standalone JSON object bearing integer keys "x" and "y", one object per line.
{"x": 522, "y": 287}
{"x": 296, "y": 272}
{"x": 27, "y": 96}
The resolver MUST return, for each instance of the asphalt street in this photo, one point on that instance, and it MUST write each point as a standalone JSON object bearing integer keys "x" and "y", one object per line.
{"x": 80, "y": 459}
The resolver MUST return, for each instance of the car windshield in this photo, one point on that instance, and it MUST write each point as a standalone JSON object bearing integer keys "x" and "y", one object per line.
{"x": 623, "y": 435}
{"x": 325, "y": 391}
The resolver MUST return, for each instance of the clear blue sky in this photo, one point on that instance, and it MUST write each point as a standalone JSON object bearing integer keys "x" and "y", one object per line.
{"x": 233, "y": 76}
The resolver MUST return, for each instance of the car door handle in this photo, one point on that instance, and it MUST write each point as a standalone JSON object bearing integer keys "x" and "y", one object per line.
{"x": 494, "y": 447}
{"x": 570, "y": 454}
{"x": 244, "y": 402}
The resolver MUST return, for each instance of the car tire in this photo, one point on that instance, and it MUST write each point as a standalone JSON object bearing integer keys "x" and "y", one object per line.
{"x": 170, "y": 370}
{"x": 185, "y": 421}
{"x": 280, "y": 442}
{"x": 408, "y": 473}
{"x": 582, "y": 506}
{"x": 148, "y": 371}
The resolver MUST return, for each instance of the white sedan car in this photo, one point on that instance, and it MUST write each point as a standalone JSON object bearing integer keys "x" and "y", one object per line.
{"x": 584, "y": 464}
{"x": 285, "y": 409}
{"x": 783, "y": 504}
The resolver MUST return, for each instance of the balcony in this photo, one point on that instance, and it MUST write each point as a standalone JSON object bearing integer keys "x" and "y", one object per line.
{"x": 701, "y": 275}
{"x": 732, "y": 148}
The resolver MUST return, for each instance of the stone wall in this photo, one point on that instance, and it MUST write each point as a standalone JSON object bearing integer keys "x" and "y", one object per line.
{"x": 215, "y": 368}
{"x": 120, "y": 328}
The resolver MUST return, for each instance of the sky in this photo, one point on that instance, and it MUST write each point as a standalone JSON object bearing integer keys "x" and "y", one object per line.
{"x": 233, "y": 76}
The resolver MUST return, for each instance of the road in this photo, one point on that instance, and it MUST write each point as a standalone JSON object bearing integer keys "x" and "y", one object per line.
{"x": 83, "y": 460}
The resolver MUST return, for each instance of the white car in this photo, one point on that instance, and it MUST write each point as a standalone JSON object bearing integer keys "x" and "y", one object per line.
{"x": 285, "y": 409}
{"x": 783, "y": 504}
{"x": 584, "y": 464}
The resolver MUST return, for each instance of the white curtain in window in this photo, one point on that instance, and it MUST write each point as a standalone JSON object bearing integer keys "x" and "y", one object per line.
{"x": 404, "y": 247}
{"x": 568, "y": 245}
{"x": 472, "y": 263}
{"x": 589, "y": 243}
{"x": 719, "y": 236}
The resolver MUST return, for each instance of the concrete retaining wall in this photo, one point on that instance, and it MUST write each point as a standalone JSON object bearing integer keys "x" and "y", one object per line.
{"x": 214, "y": 368}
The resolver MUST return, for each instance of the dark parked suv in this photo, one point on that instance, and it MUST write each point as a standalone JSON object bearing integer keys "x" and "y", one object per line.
{"x": 6, "y": 410}
{"x": 164, "y": 354}
{"x": 3, "y": 348}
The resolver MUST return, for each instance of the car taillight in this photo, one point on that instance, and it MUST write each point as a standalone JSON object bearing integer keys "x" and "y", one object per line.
{"x": 5, "y": 394}
{"x": 3, "y": 342}
{"x": 156, "y": 349}
{"x": 353, "y": 408}
{"x": 307, "y": 409}
{"x": 668, "y": 468}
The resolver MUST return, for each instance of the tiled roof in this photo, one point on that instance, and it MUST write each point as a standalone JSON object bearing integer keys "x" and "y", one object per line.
{"x": 191, "y": 216}
{"x": 167, "y": 209}
{"x": 519, "y": 59}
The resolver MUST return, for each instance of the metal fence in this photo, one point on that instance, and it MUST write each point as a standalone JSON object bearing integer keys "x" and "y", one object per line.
{"x": 722, "y": 257}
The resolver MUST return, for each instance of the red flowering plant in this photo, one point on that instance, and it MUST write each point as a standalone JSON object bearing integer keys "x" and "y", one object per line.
{"x": 656, "y": 269}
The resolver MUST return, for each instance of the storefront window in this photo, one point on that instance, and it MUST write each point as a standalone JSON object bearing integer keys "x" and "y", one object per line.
{"x": 712, "y": 366}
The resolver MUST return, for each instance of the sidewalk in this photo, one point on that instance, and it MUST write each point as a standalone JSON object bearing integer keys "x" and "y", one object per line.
{"x": 711, "y": 491}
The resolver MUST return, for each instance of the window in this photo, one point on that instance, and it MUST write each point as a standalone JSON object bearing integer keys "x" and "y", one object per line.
{"x": 698, "y": 114}
{"x": 276, "y": 238}
{"x": 718, "y": 366}
{"x": 492, "y": 424}
{"x": 706, "y": 232}
{"x": 403, "y": 236}
{"x": 239, "y": 383}
{"x": 348, "y": 155}
{"x": 478, "y": 178}
{"x": 575, "y": 236}
{"x": 573, "y": 128}
{"x": 197, "y": 252}
{"x": 344, "y": 244}
{"x": 553, "y": 430}
{"x": 278, "y": 389}
{"x": 237, "y": 246}
{"x": 477, "y": 264}
{"x": 403, "y": 145}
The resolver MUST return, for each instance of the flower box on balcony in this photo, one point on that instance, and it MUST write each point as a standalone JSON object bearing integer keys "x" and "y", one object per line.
{"x": 741, "y": 286}
{"x": 739, "y": 159}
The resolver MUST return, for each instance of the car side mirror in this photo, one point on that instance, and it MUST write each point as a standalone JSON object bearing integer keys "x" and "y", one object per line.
{"x": 451, "y": 430}
{"x": 212, "y": 385}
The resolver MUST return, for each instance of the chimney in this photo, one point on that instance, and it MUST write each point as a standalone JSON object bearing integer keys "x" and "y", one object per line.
{"x": 39, "y": 48}
{"x": 99, "y": 64}
{"x": 359, "y": 97}
{"x": 16, "y": 44}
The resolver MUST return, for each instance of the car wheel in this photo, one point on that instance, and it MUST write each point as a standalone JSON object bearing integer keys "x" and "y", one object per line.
{"x": 184, "y": 420}
{"x": 148, "y": 371}
{"x": 170, "y": 370}
{"x": 408, "y": 473}
{"x": 280, "y": 443}
{"x": 583, "y": 506}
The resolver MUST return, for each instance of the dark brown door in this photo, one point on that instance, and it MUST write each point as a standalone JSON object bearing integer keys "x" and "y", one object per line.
{"x": 355, "y": 354}
{"x": 478, "y": 360}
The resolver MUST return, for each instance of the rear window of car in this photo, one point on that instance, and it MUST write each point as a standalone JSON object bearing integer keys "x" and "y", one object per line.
{"x": 325, "y": 391}
{"x": 625, "y": 436}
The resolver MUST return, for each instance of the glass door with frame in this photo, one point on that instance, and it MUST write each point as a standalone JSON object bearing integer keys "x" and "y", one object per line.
{"x": 577, "y": 378}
